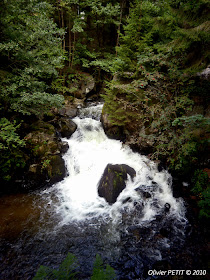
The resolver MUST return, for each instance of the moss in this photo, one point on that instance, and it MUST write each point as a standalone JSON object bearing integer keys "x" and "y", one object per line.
{"x": 55, "y": 168}
{"x": 43, "y": 127}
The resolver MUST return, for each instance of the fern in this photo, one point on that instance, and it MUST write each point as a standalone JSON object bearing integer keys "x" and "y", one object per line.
{"x": 99, "y": 273}
{"x": 68, "y": 270}
{"x": 44, "y": 273}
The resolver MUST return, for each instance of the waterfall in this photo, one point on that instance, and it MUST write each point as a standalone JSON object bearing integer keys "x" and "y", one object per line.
{"x": 144, "y": 226}
{"x": 143, "y": 200}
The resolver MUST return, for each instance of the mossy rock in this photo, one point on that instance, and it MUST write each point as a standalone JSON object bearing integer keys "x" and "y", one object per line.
{"x": 56, "y": 168}
{"x": 51, "y": 169}
{"x": 113, "y": 181}
{"x": 43, "y": 127}
{"x": 66, "y": 127}
{"x": 35, "y": 177}
{"x": 112, "y": 131}
{"x": 41, "y": 144}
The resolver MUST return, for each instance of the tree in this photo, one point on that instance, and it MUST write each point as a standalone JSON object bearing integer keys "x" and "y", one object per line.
{"x": 160, "y": 53}
{"x": 31, "y": 53}
{"x": 90, "y": 29}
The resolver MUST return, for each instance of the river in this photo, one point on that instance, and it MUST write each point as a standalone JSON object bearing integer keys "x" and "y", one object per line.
{"x": 141, "y": 228}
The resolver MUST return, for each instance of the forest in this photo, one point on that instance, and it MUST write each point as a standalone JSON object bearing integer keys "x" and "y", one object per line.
{"x": 147, "y": 60}
{"x": 150, "y": 63}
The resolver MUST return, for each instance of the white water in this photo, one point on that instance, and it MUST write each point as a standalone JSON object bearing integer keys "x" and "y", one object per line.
{"x": 89, "y": 153}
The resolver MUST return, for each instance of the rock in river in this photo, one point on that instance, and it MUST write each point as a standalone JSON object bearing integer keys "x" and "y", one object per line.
{"x": 113, "y": 181}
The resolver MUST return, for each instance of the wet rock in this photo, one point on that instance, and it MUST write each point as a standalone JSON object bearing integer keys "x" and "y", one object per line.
{"x": 34, "y": 177}
{"x": 33, "y": 168}
{"x": 45, "y": 150}
{"x": 64, "y": 147}
{"x": 92, "y": 97}
{"x": 68, "y": 110}
{"x": 141, "y": 191}
{"x": 167, "y": 207}
{"x": 112, "y": 131}
{"x": 146, "y": 194}
{"x": 42, "y": 143}
{"x": 161, "y": 166}
{"x": 113, "y": 181}
{"x": 66, "y": 127}
{"x": 128, "y": 199}
{"x": 56, "y": 170}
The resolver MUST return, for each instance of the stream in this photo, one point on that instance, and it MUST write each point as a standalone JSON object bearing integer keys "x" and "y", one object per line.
{"x": 142, "y": 228}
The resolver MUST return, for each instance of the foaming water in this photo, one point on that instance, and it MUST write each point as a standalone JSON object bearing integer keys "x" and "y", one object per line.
{"x": 89, "y": 153}
{"x": 146, "y": 224}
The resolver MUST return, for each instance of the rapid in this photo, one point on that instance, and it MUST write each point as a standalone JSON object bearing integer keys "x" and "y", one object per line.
{"x": 141, "y": 228}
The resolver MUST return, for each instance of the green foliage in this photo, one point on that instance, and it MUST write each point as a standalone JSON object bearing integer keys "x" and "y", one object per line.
{"x": 106, "y": 13}
{"x": 149, "y": 114}
{"x": 101, "y": 273}
{"x": 158, "y": 34}
{"x": 105, "y": 64}
{"x": 192, "y": 121}
{"x": 118, "y": 115}
{"x": 31, "y": 54}
{"x": 204, "y": 203}
{"x": 60, "y": 86}
{"x": 184, "y": 144}
{"x": 89, "y": 30}
{"x": 202, "y": 190}
{"x": 10, "y": 144}
{"x": 8, "y": 136}
{"x": 30, "y": 49}
{"x": 45, "y": 164}
{"x": 78, "y": 25}
{"x": 68, "y": 270}
{"x": 200, "y": 180}
{"x": 160, "y": 51}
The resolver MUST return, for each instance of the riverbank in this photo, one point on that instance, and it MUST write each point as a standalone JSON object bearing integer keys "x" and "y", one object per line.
{"x": 133, "y": 236}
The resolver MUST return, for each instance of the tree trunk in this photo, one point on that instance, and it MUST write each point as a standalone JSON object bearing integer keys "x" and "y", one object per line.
{"x": 118, "y": 30}
{"x": 69, "y": 43}
{"x": 63, "y": 26}
{"x": 73, "y": 50}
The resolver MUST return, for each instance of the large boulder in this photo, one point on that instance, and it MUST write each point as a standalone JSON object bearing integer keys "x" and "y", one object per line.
{"x": 56, "y": 170}
{"x": 113, "y": 181}
{"x": 66, "y": 127}
{"x": 112, "y": 131}
{"x": 45, "y": 152}
{"x": 68, "y": 110}
{"x": 51, "y": 170}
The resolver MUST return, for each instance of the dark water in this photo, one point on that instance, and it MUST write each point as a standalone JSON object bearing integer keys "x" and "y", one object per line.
{"x": 27, "y": 242}
{"x": 136, "y": 234}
